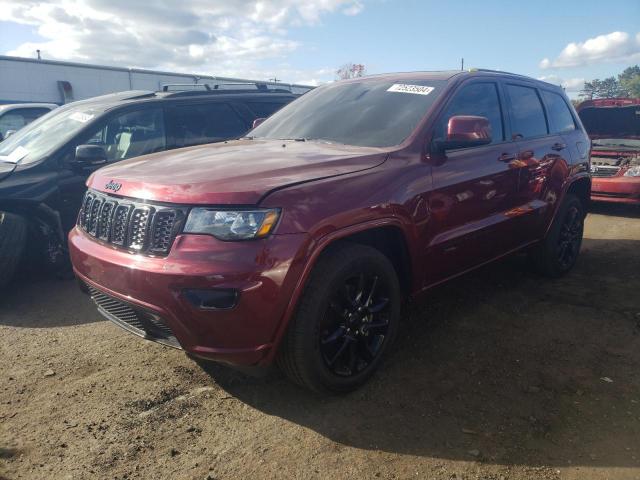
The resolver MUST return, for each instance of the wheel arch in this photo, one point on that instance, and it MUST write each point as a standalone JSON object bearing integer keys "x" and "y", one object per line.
{"x": 383, "y": 234}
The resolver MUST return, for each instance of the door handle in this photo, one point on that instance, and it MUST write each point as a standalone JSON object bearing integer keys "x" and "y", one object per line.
{"x": 506, "y": 157}
{"x": 558, "y": 146}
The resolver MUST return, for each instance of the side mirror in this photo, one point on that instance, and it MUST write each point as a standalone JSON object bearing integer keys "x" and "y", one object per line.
{"x": 90, "y": 155}
{"x": 257, "y": 122}
{"x": 9, "y": 133}
{"x": 464, "y": 131}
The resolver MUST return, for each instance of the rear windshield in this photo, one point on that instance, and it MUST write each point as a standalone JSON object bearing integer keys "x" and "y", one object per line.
{"x": 370, "y": 113}
{"x": 41, "y": 137}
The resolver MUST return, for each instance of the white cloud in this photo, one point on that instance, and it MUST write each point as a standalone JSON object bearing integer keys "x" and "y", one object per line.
{"x": 219, "y": 37}
{"x": 569, "y": 84}
{"x": 612, "y": 47}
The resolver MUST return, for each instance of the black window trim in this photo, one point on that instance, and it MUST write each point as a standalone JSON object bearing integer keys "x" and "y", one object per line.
{"x": 506, "y": 127}
{"x": 544, "y": 110}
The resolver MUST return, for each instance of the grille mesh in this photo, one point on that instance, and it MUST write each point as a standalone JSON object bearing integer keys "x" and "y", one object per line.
{"x": 135, "y": 320}
{"x": 135, "y": 226}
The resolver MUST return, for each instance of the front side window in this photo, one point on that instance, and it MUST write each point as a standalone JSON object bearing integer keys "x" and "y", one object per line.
{"x": 527, "y": 114}
{"x": 559, "y": 113}
{"x": 477, "y": 99}
{"x": 195, "y": 124}
{"x": 131, "y": 134}
{"x": 371, "y": 112}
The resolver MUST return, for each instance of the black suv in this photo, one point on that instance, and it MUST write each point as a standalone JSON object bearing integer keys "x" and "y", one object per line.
{"x": 44, "y": 166}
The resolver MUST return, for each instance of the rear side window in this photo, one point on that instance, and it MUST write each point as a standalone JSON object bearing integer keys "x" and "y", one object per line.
{"x": 479, "y": 99}
{"x": 264, "y": 109}
{"x": 559, "y": 113}
{"x": 527, "y": 114}
{"x": 205, "y": 123}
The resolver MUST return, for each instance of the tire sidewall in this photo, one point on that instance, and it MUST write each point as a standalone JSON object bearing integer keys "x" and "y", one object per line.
{"x": 313, "y": 363}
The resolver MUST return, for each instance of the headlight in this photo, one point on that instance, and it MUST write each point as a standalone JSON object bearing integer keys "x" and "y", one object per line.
{"x": 633, "y": 172}
{"x": 232, "y": 224}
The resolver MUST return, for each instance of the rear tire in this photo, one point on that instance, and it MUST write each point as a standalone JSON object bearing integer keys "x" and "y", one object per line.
{"x": 558, "y": 252}
{"x": 13, "y": 236}
{"x": 345, "y": 321}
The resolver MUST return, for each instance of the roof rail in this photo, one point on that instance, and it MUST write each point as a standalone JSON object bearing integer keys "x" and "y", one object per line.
{"x": 184, "y": 87}
{"x": 488, "y": 70}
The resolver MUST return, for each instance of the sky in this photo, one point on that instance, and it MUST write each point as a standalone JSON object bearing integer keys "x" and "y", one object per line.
{"x": 564, "y": 42}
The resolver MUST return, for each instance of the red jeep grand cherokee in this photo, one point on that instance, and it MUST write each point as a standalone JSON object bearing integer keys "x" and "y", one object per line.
{"x": 614, "y": 126}
{"x": 299, "y": 242}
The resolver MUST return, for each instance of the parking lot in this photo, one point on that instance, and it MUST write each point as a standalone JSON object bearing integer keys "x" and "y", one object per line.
{"x": 500, "y": 374}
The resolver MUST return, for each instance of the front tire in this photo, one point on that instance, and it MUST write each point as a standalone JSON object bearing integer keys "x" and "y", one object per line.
{"x": 558, "y": 252}
{"x": 346, "y": 320}
{"x": 13, "y": 236}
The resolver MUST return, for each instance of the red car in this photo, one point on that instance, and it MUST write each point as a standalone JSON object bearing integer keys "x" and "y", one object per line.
{"x": 614, "y": 127}
{"x": 298, "y": 243}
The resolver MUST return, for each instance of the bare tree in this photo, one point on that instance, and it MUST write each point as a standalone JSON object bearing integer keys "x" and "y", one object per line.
{"x": 350, "y": 70}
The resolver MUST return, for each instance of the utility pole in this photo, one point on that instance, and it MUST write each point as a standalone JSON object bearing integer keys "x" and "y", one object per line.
{"x": 274, "y": 79}
{"x": 38, "y": 52}
{"x": 462, "y": 63}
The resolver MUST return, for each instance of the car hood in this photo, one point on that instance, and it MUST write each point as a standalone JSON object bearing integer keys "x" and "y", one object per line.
{"x": 238, "y": 172}
{"x": 611, "y": 122}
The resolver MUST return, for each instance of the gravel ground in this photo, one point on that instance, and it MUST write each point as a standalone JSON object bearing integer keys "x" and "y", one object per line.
{"x": 498, "y": 375}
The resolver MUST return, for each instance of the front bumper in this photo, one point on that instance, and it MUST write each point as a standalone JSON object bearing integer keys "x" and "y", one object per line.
{"x": 616, "y": 189}
{"x": 263, "y": 272}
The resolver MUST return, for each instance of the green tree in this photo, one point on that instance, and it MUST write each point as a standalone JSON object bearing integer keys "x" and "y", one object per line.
{"x": 629, "y": 81}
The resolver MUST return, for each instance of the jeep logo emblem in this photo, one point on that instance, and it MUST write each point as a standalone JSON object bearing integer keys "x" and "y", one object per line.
{"x": 113, "y": 186}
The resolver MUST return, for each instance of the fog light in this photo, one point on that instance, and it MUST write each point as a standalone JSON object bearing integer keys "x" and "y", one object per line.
{"x": 212, "y": 299}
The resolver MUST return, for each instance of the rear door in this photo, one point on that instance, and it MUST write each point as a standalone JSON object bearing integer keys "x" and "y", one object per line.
{"x": 543, "y": 158}
{"x": 474, "y": 188}
{"x": 198, "y": 123}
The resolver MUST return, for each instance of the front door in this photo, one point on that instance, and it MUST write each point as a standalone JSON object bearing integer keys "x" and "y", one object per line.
{"x": 474, "y": 190}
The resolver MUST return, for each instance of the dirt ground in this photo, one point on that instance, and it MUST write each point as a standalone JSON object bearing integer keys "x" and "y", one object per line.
{"x": 498, "y": 375}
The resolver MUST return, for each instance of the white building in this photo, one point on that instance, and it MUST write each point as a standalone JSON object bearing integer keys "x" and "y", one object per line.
{"x": 31, "y": 80}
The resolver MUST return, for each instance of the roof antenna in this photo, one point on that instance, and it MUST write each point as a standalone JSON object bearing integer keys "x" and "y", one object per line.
{"x": 38, "y": 52}
{"x": 462, "y": 63}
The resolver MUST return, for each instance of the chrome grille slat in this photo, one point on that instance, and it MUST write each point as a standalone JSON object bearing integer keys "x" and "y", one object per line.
{"x": 604, "y": 171}
{"x": 134, "y": 226}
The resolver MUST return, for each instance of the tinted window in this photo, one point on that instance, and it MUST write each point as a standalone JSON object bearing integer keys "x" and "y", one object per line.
{"x": 527, "y": 115}
{"x": 16, "y": 119}
{"x": 369, "y": 112}
{"x": 479, "y": 99}
{"x": 131, "y": 134}
{"x": 205, "y": 123}
{"x": 559, "y": 113}
{"x": 264, "y": 109}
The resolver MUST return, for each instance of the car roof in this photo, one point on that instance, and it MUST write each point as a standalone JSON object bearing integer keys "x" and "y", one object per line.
{"x": 451, "y": 74}
{"x": 13, "y": 106}
{"x": 114, "y": 100}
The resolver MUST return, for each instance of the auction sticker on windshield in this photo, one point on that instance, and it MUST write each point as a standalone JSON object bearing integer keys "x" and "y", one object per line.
{"x": 415, "y": 89}
{"x": 81, "y": 117}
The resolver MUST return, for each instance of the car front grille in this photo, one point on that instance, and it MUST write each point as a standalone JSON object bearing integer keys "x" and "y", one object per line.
{"x": 135, "y": 226}
{"x": 133, "y": 319}
{"x": 604, "y": 170}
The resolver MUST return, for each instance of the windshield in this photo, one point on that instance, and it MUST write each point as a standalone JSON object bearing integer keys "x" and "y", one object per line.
{"x": 370, "y": 113}
{"x": 41, "y": 137}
